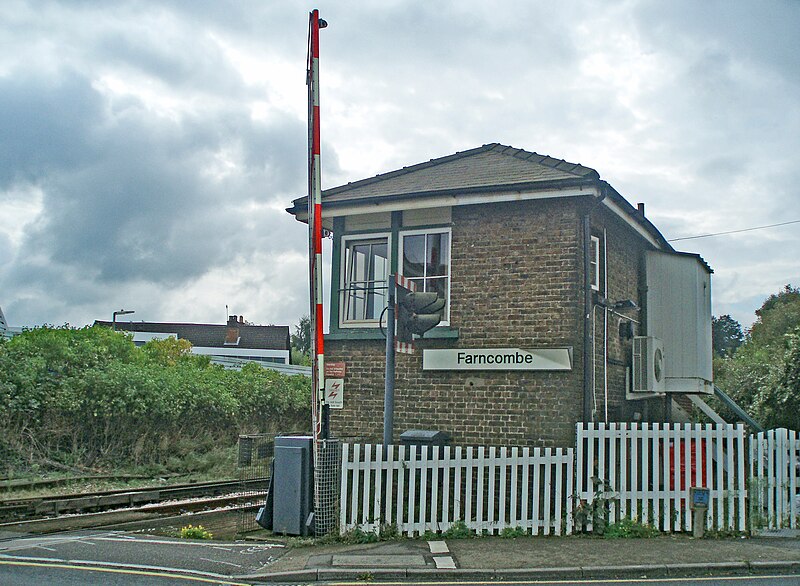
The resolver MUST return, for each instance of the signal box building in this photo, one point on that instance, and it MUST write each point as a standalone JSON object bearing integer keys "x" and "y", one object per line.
{"x": 557, "y": 289}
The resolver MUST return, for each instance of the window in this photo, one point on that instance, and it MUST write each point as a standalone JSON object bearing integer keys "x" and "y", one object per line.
{"x": 597, "y": 268}
{"x": 426, "y": 261}
{"x": 364, "y": 281}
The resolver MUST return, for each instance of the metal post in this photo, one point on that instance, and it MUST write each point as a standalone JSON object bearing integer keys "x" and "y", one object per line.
{"x": 388, "y": 396}
{"x": 320, "y": 414}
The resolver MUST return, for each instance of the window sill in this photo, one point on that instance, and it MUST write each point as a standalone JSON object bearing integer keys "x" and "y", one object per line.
{"x": 442, "y": 333}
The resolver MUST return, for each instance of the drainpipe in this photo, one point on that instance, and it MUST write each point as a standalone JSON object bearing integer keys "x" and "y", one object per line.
{"x": 588, "y": 343}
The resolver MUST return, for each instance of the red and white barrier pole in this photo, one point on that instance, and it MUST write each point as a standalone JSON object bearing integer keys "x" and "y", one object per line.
{"x": 319, "y": 409}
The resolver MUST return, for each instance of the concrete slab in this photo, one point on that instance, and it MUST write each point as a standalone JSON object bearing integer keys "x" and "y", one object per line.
{"x": 438, "y": 547}
{"x": 444, "y": 562}
{"x": 378, "y": 561}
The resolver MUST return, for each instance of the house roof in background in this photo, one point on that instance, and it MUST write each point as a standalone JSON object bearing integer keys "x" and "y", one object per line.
{"x": 213, "y": 335}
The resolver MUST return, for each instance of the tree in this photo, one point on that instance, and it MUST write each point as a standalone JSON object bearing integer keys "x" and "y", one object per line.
{"x": 726, "y": 334}
{"x": 778, "y": 316}
{"x": 763, "y": 375}
{"x": 301, "y": 341}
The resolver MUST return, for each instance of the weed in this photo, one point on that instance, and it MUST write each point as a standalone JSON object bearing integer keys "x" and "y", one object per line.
{"x": 512, "y": 532}
{"x": 627, "y": 528}
{"x": 195, "y": 532}
{"x": 458, "y": 530}
{"x": 595, "y": 512}
{"x": 388, "y": 532}
{"x": 358, "y": 535}
{"x": 721, "y": 533}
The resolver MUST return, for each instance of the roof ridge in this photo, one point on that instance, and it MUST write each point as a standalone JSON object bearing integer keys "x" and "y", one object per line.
{"x": 572, "y": 168}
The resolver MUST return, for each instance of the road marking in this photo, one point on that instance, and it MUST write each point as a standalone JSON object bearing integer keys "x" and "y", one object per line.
{"x": 221, "y": 562}
{"x": 161, "y": 573}
{"x": 200, "y": 543}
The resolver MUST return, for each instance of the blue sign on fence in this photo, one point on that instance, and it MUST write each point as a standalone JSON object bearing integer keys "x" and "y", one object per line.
{"x": 700, "y": 497}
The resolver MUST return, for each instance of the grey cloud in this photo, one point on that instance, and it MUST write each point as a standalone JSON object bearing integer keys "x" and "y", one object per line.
{"x": 192, "y": 64}
{"x": 129, "y": 201}
{"x": 762, "y": 33}
{"x": 45, "y": 125}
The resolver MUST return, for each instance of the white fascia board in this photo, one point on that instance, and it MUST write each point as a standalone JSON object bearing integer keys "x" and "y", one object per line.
{"x": 482, "y": 198}
{"x": 452, "y": 200}
{"x": 234, "y": 352}
{"x": 616, "y": 209}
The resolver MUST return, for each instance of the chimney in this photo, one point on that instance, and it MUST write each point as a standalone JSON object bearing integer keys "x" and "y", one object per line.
{"x": 232, "y": 333}
{"x": 640, "y": 207}
{"x": 241, "y": 319}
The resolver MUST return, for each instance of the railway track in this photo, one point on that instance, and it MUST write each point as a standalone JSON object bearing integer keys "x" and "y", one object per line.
{"x": 162, "y": 500}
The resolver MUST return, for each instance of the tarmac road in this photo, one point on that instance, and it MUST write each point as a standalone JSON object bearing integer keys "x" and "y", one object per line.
{"x": 134, "y": 552}
{"x": 25, "y": 573}
{"x": 110, "y": 557}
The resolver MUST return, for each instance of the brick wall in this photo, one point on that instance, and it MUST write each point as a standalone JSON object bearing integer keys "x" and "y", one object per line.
{"x": 625, "y": 253}
{"x": 517, "y": 278}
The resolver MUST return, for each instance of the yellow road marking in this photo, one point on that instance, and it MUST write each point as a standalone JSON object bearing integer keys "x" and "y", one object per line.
{"x": 577, "y": 581}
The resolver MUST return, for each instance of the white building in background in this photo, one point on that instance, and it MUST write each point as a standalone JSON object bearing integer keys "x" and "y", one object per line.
{"x": 7, "y": 331}
{"x": 232, "y": 345}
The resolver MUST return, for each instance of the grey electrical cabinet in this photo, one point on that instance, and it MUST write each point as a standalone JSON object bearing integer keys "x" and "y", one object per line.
{"x": 678, "y": 309}
{"x": 292, "y": 485}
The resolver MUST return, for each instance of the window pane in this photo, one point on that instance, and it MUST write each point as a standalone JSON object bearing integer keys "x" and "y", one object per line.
{"x": 414, "y": 256}
{"x": 367, "y": 271}
{"x": 439, "y": 285}
{"x": 436, "y": 255}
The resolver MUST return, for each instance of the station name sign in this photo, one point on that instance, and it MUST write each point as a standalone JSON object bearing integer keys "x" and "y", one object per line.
{"x": 497, "y": 359}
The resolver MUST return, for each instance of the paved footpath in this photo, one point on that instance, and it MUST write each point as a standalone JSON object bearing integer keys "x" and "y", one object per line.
{"x": 494, "y": 558}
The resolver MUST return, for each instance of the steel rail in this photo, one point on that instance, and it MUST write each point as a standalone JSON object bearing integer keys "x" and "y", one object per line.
{"x": 18, "y": 509}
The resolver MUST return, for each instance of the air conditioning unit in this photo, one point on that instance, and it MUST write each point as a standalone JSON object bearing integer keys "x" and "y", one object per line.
{"x": 648, "y": 365}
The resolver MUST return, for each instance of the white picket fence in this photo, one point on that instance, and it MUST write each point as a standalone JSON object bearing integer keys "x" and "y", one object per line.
{"x": 645, "y": 472}
{"x": 774, "y": 460}
{"x": 421, "y": 489}
{"x": 640, "y": 471}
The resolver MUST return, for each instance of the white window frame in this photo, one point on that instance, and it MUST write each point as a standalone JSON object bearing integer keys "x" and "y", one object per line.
{"x": 343, "y": 271}
{"x": 443, "y": 230}
{"x": 594, "y": 263}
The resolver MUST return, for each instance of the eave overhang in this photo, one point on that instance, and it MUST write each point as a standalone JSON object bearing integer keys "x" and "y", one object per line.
{"x": 578, "y": 187}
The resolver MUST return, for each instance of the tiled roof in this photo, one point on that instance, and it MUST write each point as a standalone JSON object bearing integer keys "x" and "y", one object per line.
{"x": 491, "y": 168}
{"x": 213, "y": 335}
{"x": 483, "y": 167}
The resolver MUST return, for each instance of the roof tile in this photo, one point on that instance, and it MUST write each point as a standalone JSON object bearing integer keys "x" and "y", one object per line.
{"x": 486, "y": 166}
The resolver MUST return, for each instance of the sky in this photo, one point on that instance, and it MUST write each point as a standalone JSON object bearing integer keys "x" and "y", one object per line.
{"x": 148, "y": 150}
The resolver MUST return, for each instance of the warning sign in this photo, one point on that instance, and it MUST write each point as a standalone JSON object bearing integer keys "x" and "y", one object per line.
{"x": 334, "y": 384}
{"x": 334, "y": 369}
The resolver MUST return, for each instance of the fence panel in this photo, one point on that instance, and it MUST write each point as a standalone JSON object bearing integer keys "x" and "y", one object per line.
{"x": 773, "y": 463}
{"x": 644, "y": 472}
{"x": 426, "y": 488}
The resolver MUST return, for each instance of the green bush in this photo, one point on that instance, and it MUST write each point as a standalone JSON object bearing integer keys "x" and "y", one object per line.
{"x": 88, "y": 397}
